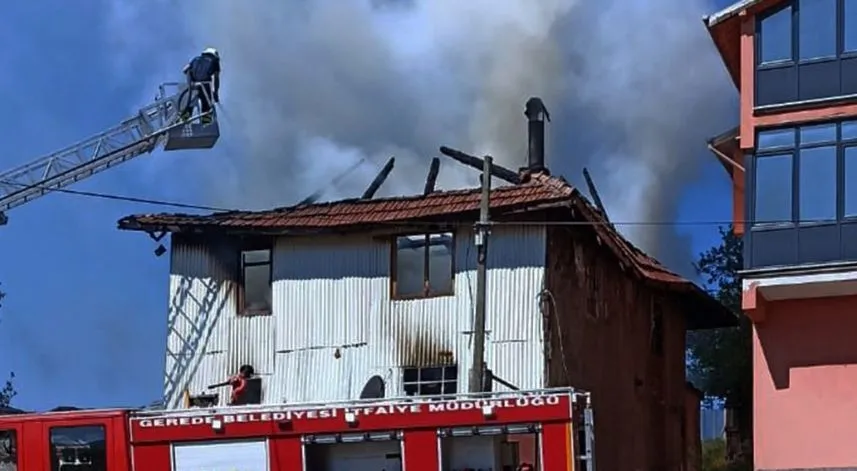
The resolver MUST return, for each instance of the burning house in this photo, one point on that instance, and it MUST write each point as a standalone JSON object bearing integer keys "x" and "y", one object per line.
{"x": 374, "y": 297}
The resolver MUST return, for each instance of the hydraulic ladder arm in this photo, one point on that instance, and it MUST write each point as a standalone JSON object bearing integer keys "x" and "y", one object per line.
{"x": 155, "y": 125}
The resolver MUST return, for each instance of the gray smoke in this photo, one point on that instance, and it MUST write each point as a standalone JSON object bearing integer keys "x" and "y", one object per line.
{"x": 311, "y": 87}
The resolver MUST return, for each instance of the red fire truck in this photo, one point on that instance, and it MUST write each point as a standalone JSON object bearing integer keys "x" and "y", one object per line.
{"x": 549, "y": 430}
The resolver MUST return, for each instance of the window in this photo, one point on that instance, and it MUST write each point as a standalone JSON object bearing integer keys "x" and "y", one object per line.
{"x": 776, "y": 139}
{"x": 8, "y": 450}
{"x": 850, "y": 162}
{"x": 849, "y": 15}
{"x": 773, "y": 199}
{"x": 775, "y": 32}
{"x": 256, "y": 293}
{"x": 816, "y": 29}
{"x": 423, "y": 265}
{"x": 657, "y": 329}
{"x": 805, "y": 51}
{"x": 817, "y": 187}
{"x": 813, "y": 151}
{"x": 430, "y": 381}
{"x": 78, "y": 448}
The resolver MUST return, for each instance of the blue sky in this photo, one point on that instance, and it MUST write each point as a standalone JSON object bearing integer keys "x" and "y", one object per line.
{"x": 84, "y": 320}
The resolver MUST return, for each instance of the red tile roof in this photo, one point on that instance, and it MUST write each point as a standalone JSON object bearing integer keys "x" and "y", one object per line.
{"x": 540, "y": 192}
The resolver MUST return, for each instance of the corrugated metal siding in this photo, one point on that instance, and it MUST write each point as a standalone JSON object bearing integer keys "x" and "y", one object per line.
{"x": 200, "y": 298}
{"x": 332, "y": 299}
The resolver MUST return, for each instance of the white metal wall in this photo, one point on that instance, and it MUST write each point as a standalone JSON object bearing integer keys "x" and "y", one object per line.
{"x": 332, "y": 294}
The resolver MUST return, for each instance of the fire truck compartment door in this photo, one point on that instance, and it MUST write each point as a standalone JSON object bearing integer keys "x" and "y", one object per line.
{"x": 367, "y": 456}
{"x": 221, "y": 456}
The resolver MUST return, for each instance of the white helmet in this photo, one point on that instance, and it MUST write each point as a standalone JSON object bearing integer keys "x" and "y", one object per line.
{"x": 212, "y": 51}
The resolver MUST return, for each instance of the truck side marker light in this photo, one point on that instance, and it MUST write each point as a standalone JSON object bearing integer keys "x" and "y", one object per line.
{"x": 488, "y": 411}
{"x": 350, "y": 418}
{"x": 217, "y": 425}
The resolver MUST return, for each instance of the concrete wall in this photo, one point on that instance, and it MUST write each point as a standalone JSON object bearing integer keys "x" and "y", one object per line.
{"x": 334, "y": 325}
{"x": 805, "y": 375}
{"x": 601, "y": 341}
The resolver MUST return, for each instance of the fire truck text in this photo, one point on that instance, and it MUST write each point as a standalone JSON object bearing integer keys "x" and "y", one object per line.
{"x": 328, "y": 413}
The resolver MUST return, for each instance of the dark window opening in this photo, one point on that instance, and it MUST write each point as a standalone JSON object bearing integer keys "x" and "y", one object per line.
{"x": 78, "y": 448}
{"x": 8, "y": 450}
{"x": 430, "y": 381}
{"x": 256, "y": 291}
{"x": 423, "y": 265}
{"x": 775, "y": 33}
{"x": 657, "y": 329}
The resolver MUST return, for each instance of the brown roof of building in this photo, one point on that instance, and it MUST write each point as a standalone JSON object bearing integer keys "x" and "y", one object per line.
{"x": 540, "y": 192}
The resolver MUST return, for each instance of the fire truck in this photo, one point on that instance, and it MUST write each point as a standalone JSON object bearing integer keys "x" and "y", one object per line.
{"x": 545, "y": 430}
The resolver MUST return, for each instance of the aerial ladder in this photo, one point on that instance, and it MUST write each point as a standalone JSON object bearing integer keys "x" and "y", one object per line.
{"x": 158, "y": 124}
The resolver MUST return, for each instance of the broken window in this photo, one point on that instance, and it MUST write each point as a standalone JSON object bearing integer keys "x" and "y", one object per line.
{"x": 430, "y": 381}
{"x": 256, "y": 292}
{"x": 8, "y": 450}
{"x": 81, "y": 447}
{"x": 423, "y": 265}
{"x": 657, "y": 329}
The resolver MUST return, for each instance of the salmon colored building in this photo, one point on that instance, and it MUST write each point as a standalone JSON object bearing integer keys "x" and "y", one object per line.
{"x": 793, "y": 164}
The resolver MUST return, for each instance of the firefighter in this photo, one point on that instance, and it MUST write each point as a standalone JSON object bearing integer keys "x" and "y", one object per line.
{"x": 239, "y": 382}
{"x": 203, "y": 74}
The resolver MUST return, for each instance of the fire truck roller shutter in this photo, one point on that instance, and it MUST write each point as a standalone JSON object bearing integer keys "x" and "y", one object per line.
{"x": 222, "y": 455}
{"x": 353, "y": 452}
{"x": 491, "y": 447}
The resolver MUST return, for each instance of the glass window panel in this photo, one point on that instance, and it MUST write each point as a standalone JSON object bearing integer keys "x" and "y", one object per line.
{"x": 817, "y": 134}
{"x": 776, "y": 139}
{"x": 776, "y": 36}
{"x": 850, "y": 32}
{"x": 410, "y": 265}
{"x": 817, "y": 184}
{"x": 849, "y": 130}
{"x": 773, "y": 198}
{"x": 817, "y": 28}
{"x": 850, "y": 182}
{"x": 257, "y": 256}
{"x": 8, "y": 450}
{"x": 257, "y": 288}
{"x": 440, "y": 263}
{"x": 82, "y": 447}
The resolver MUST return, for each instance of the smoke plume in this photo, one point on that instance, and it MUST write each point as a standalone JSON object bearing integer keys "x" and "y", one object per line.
{"x": 311, "y": 87}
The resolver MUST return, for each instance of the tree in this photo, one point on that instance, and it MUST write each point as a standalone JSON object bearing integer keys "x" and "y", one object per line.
{"x": 8, "y": 390}
{"x": 721, "y": 359}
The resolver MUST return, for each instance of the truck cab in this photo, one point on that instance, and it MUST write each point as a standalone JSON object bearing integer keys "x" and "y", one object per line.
{"x": 76, "y": 440}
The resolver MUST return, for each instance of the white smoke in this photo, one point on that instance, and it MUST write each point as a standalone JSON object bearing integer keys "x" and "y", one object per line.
{"x": 311, "y": 87}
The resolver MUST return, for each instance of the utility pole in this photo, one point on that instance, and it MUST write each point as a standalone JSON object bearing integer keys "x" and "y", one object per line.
{"x": 477, "y": 371}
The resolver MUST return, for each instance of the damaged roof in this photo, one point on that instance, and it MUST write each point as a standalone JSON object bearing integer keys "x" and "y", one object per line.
{"x": 539, "y": 192}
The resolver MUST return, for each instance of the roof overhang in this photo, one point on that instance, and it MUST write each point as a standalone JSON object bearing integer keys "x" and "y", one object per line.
{"x": 724, "y": 27}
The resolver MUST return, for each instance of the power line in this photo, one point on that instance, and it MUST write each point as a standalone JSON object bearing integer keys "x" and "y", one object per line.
{"x": 129, "y": 199}
{"x": 175, "y": 204}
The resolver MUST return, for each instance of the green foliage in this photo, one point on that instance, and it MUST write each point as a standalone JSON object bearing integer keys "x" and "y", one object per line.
{"x": 721, "y": 359}
{"x": 8, "y": 390}
{"x": 714, "y": 457}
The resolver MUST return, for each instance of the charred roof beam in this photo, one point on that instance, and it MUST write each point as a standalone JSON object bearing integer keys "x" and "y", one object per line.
{"x": 379, "y": 179}
{"x": 498, "y": 171}
{"x": 431, "y": 179}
